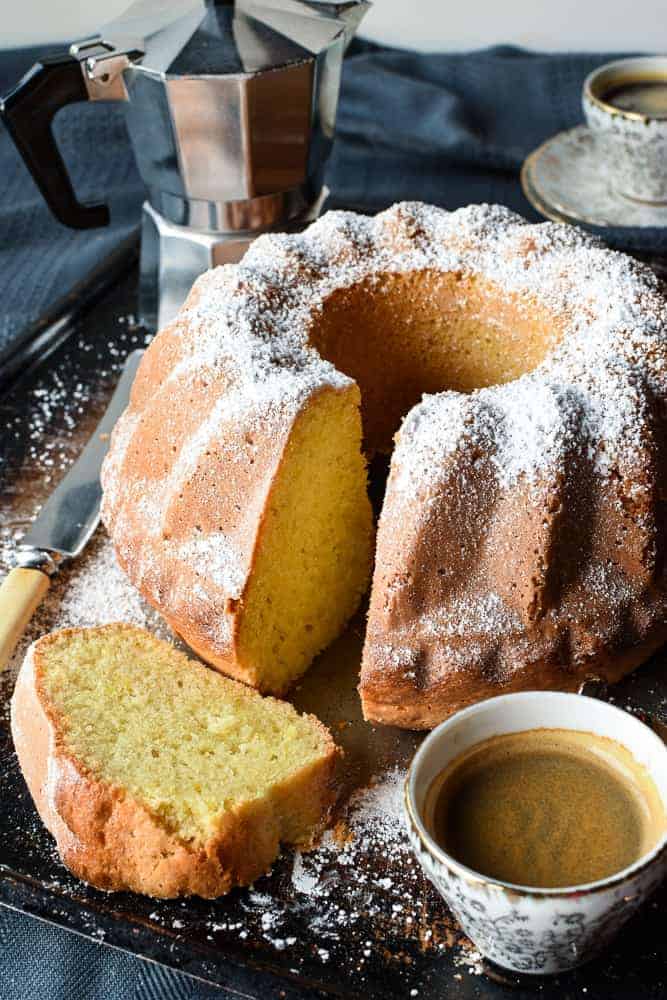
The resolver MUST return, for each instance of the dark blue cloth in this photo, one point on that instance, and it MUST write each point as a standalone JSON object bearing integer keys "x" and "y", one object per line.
{"x": 40, "y": 259}
{"x": 41, "y": 962}
{"x": 448, "y": 129}
{"x": 453, "y": 129}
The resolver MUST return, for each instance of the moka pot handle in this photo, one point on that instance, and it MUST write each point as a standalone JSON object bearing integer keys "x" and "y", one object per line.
{"x": 91, "y": 70}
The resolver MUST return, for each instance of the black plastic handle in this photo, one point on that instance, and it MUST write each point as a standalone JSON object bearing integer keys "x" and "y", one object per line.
{"x": 28, "y": 112}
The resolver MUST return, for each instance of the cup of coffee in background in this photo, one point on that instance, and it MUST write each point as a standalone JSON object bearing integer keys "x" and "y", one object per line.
{"x": 541, "y": 818}
{"x": 625, "y": 106}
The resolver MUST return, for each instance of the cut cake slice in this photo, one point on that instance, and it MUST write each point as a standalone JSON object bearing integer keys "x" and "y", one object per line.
{"x": 158, "y": 775}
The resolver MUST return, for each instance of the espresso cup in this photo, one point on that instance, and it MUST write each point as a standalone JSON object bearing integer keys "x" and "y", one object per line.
{"x": 527, "y": 929}
{"x": 633, "y": 144}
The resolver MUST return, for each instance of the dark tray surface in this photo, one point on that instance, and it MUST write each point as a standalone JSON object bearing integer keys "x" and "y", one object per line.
{"x": 356, "y": 918}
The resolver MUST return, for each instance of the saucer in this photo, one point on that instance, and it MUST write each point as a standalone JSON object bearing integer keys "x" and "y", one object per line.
{"x": 566, "y": 180}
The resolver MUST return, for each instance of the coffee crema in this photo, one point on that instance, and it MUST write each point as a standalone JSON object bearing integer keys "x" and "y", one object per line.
{"x": 546, "y": 808}
{"x": 644, "y": 97}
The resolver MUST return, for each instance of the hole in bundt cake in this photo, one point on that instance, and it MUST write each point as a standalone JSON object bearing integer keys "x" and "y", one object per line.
{"x": 401, "y": 335}
{"x": 397, "y": 336}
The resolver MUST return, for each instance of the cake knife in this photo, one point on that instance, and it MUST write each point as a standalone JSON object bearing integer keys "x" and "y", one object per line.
{"x": 63, "y": 527}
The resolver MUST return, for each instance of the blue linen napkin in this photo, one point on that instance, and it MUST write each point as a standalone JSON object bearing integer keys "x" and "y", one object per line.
{"x": 448, "y": 129}
{"x": 455, "y": 128}
{"x": 40, "y": 259}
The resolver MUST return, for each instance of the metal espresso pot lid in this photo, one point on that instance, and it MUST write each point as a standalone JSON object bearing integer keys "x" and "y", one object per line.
{"x": 231, "y": 111}
{"x": 219, "y": 37}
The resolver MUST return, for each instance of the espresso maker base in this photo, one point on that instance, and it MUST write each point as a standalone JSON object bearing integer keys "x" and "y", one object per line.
{"x": 173, "y": 256}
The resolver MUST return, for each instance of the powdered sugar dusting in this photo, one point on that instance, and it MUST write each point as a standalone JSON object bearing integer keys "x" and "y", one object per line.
{"x": 488, "y": 616}
{"x": 245, "y": 331}
{"x": 365, "y": 870}
{"x": 590, "y": 391}
{"x": 217, "y": 561}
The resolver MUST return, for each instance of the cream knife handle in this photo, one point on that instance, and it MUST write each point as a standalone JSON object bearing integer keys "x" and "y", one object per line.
{"x": 20, "y": 594}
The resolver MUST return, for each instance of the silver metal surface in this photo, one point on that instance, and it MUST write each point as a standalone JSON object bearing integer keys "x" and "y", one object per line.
{"x": 229, "y": 218}
{"x": 218, "y": 37}
{"x": 230, "y": 138}
{"x": 102, "y": 68}
{"x": 173, "y": 256}
{"x": 70, "y": 515}
{"x": 231, "y": 110}
{"x": 104, "y": 79}
{"x": 226, "y": 103}
{"x": 281, "y": 16}
{"x": 39, "y": 559}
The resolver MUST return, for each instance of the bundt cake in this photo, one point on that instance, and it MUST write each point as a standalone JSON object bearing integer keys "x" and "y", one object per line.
{"x": 235, "y": 485}
{"x": 191, "y": 792}
{"x": 521, "y": 542}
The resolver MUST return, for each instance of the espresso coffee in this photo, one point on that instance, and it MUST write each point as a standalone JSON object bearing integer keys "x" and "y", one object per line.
{"x": 645, "y": 97}
{"x": 546, "y": 808}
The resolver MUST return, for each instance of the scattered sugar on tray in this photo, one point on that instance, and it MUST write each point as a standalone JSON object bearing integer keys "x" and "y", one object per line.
{"x": 377, "y": 813}
{"x": 364, "y": 878}
{"x": 269, "y": 920}
{"x": 337, "y": 888}
{"x": 303, "y": 881}
{"x": 374, "y": 818}
{"x": 470, "y": 959}
{"x": 258, "y": 898}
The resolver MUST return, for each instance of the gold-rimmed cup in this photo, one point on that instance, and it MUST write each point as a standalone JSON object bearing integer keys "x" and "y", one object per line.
{"x": 632, "y": 144}
{"x": 522, "y": 928}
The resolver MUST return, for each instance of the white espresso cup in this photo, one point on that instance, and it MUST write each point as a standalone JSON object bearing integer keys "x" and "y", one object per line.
{"x": 633, "y": 145}
{"x": 526, "y": 929}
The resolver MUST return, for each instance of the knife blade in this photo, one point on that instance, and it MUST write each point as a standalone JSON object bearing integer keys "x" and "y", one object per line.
{"x": 71, "y": 514}
{"x": 64, "y": 525}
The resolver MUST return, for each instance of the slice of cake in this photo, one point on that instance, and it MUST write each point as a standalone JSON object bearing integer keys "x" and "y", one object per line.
{"x": 158, "y": 775}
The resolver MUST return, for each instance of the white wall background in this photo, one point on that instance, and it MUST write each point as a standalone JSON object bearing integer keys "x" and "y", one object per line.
{"x": 612, "y": 25}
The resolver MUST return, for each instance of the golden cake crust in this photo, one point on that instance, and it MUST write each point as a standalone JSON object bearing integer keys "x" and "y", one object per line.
{"x": 390, "y": 702}
{"x": 114, "y": 842}
{"x": 193, "y": 460}
{"x": 522, "y": 540}
{"x": 522, "y": 537}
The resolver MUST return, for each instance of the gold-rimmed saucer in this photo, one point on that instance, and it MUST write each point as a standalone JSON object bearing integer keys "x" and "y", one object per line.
{"x": 566, "y": 180}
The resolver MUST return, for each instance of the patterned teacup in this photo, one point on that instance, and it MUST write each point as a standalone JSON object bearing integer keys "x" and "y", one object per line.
{"x": 526, "y": 929}
{"x": 633, "y": 143}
